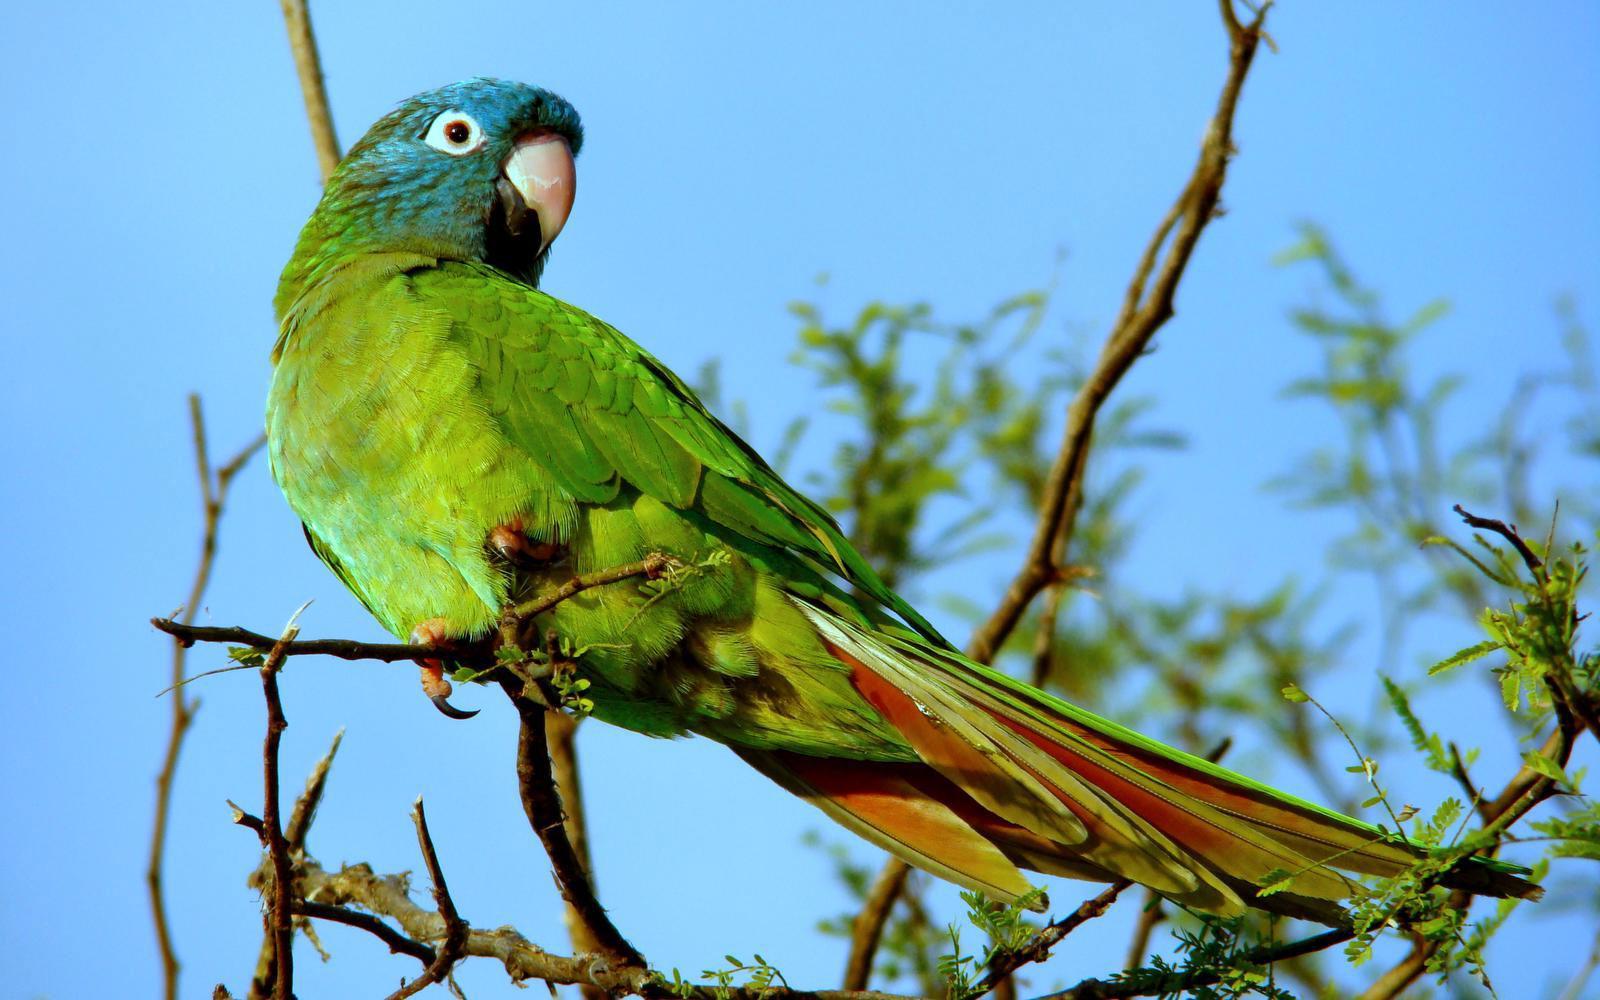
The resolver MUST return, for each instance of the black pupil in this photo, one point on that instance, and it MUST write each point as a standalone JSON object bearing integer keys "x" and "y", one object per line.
{"x": 457, "y": 132}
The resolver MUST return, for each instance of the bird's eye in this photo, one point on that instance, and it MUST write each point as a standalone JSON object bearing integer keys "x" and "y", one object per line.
{"x": 456, "y": 133}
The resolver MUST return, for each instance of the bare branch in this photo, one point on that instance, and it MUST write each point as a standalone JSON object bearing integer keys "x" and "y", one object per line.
{"x": 561, "y": 730}
{"x": 542, "y": 803}
{"x": 398, "y": 943}
{"x": 1147, "y": 305}
{"x": 334, "y": 893}
{"x": 479, "y": 654}
{"x": 1508, "y": 532}
{"x": 213, "y": 497}
{"x": 344, "y": 649}
{"x": 308, "y": 65}
{"x": 305, "y": 807}
{"x": 456, "y": 929}
{"x": 275, "y": 978}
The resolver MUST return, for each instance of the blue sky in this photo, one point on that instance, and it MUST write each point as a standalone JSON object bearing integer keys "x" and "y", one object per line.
{"x": 157, "y": 169}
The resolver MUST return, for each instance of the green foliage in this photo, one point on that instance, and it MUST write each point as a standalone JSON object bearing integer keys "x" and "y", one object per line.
{"x": 246, "y": 656}
{"x": 758, "y": 977}
{"x": 1007, "y": 930}
{"x": 1216, "y": 964}
{"x": 934, "y": 468}
{"x": 913, "y": 441}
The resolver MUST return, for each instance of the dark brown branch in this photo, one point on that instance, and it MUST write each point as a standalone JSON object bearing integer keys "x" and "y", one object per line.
{"x": 308, "y": 65}
{"x": 213, "y": 497}
{"x": 561, "y": 730}
{"x": 275, "y": 978}
{"x": 1508, "y": 532}
{"x": 1147, "y": 305}
{"x": 542, "y": 804}
{"x": 456, "y": 929}
{"x": 344, "y": 649}
{"x": 398, "y": 943}
{"x": 473, "y": 654}
{"x": 866, "y": 931}
{"x": 1038, "y": 949}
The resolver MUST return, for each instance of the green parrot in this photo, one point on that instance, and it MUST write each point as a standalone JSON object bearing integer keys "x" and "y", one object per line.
{"x": 453, "y": 438}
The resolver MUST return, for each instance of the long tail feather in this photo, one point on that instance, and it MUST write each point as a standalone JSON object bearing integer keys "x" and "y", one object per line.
{"x": 1014, "y": 777}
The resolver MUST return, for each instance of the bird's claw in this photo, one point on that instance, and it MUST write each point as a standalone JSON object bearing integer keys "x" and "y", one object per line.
{"x": 434, "y": 685}
{"x": 517, "y": 549}
{"x": 449, "y": 711}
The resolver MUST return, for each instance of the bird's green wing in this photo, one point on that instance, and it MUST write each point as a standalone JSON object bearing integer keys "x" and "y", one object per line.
{"x": 596, "y": 410}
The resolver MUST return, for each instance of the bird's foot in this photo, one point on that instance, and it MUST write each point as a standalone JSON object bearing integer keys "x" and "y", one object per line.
{"x": 510, "y": 543}
{"x": 434, "y": 685}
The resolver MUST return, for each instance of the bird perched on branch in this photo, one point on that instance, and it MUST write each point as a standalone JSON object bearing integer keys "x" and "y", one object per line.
{"x": 455, "y": 440}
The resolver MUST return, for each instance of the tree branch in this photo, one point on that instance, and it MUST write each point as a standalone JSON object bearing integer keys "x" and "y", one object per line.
{"x": 1038, "y": 949}
{"x": 213, "y": 498}
{"x": 308, "y": 65}
{"x": 561, "y": 730}
{"x": 478, "y": 654}
{"x": 1097, "y": 989}
{"x": 542, "y": 804}
{"x": 274, "y": 978}
{"x": 386, "y": 896}
{"x": 455, "y": 929}
{"x": 1147, "y": 305}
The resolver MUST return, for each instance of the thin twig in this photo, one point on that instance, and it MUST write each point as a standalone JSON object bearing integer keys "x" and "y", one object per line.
{"x": 213, "y": 497}
{"x": 344, "y": 649}
{"x": 1508, "y": 532}
{"x": 466, "y": 653}
{"x": 866, "y": 930}
{"x": 305, "y": 807}
{"x": 1458, "y": 770}
{"x": 308, "y": 65}
{"x": 276, "y": 979}
{"x": 1148, "y": 304}
{"x": 1038, "y": 949}
{"x": 398, "y": 943}
{"x": 456, "y": 929}
{"x": 650, "y": 567}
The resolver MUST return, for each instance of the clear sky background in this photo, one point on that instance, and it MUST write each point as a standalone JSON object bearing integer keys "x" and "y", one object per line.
{"x": 157, "y": 169}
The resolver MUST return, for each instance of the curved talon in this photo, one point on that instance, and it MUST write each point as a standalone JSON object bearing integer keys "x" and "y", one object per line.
{"x": 449, "y": 711}
{"x": 434, "y": 685}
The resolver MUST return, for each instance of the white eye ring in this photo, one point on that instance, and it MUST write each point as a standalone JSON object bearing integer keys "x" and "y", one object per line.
{"x": 456, "y": 133}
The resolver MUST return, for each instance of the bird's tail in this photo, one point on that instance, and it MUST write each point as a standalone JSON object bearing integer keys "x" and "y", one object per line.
{"x": 1011, "y": 777}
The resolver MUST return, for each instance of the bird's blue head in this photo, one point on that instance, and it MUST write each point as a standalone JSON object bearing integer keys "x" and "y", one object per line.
{"x": 480, "y": 170}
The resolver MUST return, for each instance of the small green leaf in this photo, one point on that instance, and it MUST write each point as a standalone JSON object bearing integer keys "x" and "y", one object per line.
{"x": 1467, "y": 655}
{"x": 1540, "y": 764}
{"x": 1292, "y": 692}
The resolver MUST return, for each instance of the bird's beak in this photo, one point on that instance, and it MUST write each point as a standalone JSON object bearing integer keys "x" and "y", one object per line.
{"x": 537, "y": 185}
